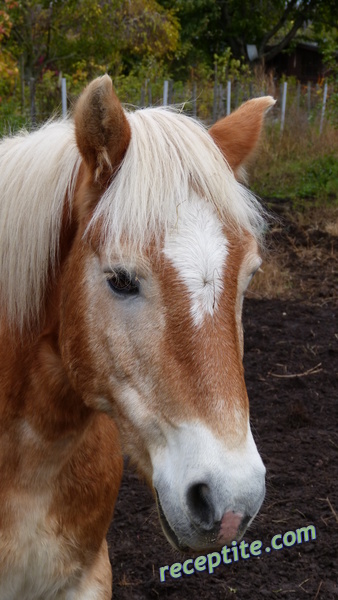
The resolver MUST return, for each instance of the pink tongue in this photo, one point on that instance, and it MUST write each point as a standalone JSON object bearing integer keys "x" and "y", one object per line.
{"x": 229, "y": 526}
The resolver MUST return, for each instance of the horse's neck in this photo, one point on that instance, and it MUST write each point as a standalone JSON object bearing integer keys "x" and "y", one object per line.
{"x": 42, "y": 420}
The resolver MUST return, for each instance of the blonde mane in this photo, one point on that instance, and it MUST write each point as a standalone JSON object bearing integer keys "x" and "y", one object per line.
{"x": 37, "y": 172}
{"x": 169, "y": 156}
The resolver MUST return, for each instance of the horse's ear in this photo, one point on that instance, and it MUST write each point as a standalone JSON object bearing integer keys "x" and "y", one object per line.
{"x": 101, "y": 128}
{"x": 237, "y": 135}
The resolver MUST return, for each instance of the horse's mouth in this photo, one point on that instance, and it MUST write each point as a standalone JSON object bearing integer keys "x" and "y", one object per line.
{"x": 209, "y": 538}
{"x": 168, "y": 531}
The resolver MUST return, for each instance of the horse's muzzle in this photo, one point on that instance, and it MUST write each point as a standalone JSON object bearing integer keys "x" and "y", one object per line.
{"x": 208, "y": 536}
{"x": 206, "y": 494}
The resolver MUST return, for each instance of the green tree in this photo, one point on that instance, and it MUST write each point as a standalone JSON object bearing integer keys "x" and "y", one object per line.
{"x": 210, "y": 26}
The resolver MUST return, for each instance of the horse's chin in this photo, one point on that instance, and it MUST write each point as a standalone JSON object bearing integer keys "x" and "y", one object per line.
{"x": 167, "y": 530}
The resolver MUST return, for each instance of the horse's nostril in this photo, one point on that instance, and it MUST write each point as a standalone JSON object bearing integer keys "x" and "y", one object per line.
{"x": 200, "y": 505}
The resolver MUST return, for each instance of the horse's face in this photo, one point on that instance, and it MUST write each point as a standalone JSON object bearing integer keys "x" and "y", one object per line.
{"x": 155, "y": 340}
{"x": 157, "y": 343}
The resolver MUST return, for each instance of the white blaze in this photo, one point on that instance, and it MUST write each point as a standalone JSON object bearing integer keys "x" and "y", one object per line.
{"x": 197, "y": 248}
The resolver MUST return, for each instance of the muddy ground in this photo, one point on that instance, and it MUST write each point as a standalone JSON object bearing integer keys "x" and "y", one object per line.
{"x": 291, "y": 363}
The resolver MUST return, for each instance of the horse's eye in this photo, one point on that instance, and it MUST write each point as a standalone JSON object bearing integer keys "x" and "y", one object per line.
{"x": 123, "y": 283}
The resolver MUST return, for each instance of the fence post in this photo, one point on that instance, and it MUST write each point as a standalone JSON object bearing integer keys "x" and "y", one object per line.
{"x": 165, "y": 92}
{"x": 64, "y": 97}
{"x": 228, "y": 97}
{"x": 282, "y": 121}
{"x": 323, "y": 108}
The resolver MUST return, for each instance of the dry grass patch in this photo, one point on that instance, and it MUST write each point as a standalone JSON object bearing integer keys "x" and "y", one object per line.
{"x": 332, "y": 228}
{"x": 273, "y": 280}
{"x": 321, "y": 218}
{"x": 298, "y": 245}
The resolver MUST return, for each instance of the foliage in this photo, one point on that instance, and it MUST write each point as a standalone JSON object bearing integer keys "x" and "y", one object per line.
{"x": 79, "y": 40}
{"x": 8, "y": 65}
{"x": 328, "y": 41}
{"x": 143, "y": 84}
{"x": 59, "y": 35}
{"x": 8, "y": 74}
{"x": 320, "y": 179}
{"x": 300, "y": 165}
{"x": 210, "y": 26}
{"x": 11, "y": 119}
{"x": 5, "y": 18}
{"x": 143, "y": 42}
{"x": 230, "y": 68}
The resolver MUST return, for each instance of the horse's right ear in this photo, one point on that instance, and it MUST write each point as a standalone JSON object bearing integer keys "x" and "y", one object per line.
{"x": 102, "y": 130}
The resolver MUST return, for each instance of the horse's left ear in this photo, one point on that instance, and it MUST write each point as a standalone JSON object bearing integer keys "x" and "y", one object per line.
{"x": 101, "y": 128}
{"x": 237, "y": 135}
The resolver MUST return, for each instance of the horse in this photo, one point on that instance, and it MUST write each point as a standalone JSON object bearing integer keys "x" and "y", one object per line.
{"x": 127, "y": 241}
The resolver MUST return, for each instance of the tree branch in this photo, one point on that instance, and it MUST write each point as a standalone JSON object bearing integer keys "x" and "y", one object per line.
{"x": 302, "y": 16}
{"x": 285, "y": 41}
{"x": 278, "y": 26}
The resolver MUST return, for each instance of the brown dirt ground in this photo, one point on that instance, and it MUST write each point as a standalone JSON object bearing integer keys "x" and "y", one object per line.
{"x": 291, "y": 363}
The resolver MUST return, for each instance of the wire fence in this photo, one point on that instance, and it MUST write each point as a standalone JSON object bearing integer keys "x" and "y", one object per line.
{"x": 207, "y": 101}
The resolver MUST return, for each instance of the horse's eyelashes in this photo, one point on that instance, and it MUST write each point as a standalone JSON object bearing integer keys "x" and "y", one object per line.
{"x": 123, "y": 284}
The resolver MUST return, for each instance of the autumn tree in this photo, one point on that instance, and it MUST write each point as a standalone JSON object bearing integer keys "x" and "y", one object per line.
{"x": 59, "y": 34}
{"x": 8, "y": 66}
{"x": 80, "y": 39}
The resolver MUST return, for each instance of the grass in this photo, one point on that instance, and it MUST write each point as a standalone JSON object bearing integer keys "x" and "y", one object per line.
{"x": 300, "y": 164}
